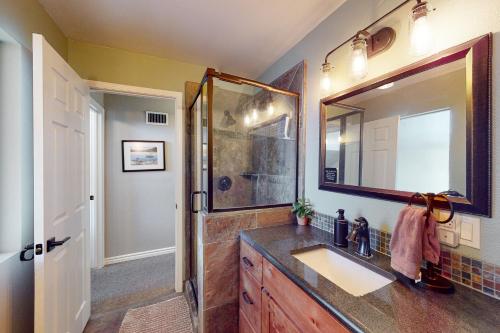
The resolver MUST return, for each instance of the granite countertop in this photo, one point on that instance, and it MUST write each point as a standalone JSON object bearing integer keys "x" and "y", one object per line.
{"x": 397, "y": 307}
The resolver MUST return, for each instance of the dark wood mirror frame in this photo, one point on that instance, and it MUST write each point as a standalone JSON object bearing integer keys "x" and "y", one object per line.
{"x": 477, "y": 53}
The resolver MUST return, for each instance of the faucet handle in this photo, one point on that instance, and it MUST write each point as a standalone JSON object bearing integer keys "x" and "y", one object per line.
{"x": 362, "y": 222}
{"x": 353, "y": 235}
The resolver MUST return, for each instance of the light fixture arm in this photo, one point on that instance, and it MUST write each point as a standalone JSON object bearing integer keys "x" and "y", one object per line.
{"x": 365, "y": 29}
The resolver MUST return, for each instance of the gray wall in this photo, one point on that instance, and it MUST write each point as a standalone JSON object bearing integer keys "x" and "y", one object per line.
{"x": 140, "y": 206}
{"x": 449, "y": 30}
{"x": 16, "y": 185}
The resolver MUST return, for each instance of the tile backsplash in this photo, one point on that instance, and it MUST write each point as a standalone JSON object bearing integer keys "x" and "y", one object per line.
{"x": 470, "y": 272}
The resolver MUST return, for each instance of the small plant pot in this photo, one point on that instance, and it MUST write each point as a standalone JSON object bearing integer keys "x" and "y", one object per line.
{"x": 302, "y": 220}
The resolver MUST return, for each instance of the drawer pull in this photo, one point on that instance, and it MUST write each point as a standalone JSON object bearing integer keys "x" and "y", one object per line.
{"x": 246, "y": 298}
{"x": 247, "y": 262}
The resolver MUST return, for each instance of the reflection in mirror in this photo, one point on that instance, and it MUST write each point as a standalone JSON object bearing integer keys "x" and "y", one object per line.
{"x": 343, "y": 140}
{"x": 408, "y": 135}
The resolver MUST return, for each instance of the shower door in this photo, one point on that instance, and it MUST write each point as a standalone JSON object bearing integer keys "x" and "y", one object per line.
{"x": 198, "y": 115}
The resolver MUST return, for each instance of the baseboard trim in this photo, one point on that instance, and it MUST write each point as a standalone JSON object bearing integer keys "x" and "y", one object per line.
{"x": 138, "y": 255}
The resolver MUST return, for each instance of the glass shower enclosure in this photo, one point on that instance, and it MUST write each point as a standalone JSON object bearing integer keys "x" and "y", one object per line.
{"x": 243, "y": 150}
{"x": 244, "y": 144}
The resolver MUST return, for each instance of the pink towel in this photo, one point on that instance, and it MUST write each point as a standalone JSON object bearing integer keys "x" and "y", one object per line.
{"x": 412, "y": 240}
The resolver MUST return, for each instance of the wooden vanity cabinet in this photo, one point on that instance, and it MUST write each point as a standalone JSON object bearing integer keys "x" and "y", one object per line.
{"x": 269, "y": 300}
{"x": 274, "y": 319}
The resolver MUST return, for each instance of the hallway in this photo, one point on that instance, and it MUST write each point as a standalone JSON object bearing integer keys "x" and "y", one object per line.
{"x": 123, "y": 286}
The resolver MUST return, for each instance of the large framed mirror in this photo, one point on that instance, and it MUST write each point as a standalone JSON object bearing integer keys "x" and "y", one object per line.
{"x": 423, "y": 128}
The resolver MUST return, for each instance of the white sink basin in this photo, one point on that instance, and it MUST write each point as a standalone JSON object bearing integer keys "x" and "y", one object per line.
{"x": 347, "y": 274}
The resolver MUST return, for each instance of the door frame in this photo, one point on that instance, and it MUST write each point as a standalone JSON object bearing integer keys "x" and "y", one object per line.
{"x": 97, "y": 219}
{"x": 177, "y": 97}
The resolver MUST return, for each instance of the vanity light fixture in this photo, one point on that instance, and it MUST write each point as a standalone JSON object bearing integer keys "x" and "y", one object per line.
{"x": 247, "y": 120}
{"x": 364, "y": 45}
{"x": 270, "y": 109}
{"x": 255, "y": 115}
{"x": 326, "y": 82}
{"x": 421, "y": 36}
{"x": 359, "y": 56}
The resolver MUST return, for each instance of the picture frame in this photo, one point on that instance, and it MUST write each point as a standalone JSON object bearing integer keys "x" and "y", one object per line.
{"x": 143, "y": 155}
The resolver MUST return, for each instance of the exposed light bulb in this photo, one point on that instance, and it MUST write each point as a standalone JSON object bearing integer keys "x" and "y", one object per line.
{"x": 270, "y": 109}
{"x": 247, "y": 120}
{"x": 325, "y": 81}
{"x": 421, "y": 37}
{"x": 255, "y": 116}
{"x": 359, "y": 60}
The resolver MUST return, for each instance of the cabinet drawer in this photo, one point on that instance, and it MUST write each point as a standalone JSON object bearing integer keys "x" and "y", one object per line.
{"x": 245, "y": 326}
{"x": 251, "y": 261}
{"x": 250, "y": 299}
{"x": 307, "y": 314}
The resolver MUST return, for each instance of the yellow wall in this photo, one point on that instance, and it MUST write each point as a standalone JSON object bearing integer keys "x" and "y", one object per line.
{"x": 100, "y": 63}
{"x": 20, "y": 18}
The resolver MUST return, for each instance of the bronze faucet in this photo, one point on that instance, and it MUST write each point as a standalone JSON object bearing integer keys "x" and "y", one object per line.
{"x": 361, "y": 233}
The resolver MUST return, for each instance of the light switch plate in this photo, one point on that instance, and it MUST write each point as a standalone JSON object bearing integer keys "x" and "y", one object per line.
{"x": 470, "y": 231}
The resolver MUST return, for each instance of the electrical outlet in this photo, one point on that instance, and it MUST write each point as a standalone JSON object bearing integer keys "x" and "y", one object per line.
{"x": 470, "y": 231}
{"x": 449, "y": 232}
{"x": 448, "y": 237}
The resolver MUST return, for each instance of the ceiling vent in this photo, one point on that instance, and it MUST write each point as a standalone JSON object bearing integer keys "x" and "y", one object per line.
{"x": 157, "y": 118}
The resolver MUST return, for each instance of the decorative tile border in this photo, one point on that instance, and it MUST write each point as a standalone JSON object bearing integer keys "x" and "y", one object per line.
{"x": 470, "y": 272}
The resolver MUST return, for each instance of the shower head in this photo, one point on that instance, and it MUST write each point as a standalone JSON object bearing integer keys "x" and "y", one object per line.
{"x": 227, "y": 120}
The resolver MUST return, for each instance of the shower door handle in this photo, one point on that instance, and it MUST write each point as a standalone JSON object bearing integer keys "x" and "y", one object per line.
{"x": 193, "y": 210}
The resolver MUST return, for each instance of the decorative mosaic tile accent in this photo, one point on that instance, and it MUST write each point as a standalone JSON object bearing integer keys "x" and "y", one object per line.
{"x": 470, "y": 272}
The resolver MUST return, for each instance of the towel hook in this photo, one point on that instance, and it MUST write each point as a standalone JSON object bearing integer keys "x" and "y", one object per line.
{"x": 429, "y": 278}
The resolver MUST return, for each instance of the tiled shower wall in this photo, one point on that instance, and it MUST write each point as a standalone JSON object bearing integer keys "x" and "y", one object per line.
{"x": 218, "y": 243}
{"x": 294, "y": 80}
{"x": 470, "y": 272}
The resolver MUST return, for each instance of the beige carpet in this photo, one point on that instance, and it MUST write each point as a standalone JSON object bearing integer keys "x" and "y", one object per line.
{"x": 171, "y": 316}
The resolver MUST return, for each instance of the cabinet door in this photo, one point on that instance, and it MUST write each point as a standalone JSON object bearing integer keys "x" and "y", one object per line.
{"x": 245, "y": 326}
{"x": 274, "y": 319}
{"x": 250, "y": 299}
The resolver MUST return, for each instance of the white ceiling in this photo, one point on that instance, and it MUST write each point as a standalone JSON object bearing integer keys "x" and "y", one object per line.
{"x": 241, "y": 37}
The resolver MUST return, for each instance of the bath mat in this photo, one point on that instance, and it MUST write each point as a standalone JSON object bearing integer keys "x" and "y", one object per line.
{"x": 171, "y": 316}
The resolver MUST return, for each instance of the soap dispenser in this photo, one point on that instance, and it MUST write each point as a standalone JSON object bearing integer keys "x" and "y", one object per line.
{"x": 340, "y": 230}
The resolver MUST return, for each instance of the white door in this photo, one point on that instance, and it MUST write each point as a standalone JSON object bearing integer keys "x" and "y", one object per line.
{"x": 60, "y": 127}
{"x": 380, "y": 146}
{"x": 351, "y": 168}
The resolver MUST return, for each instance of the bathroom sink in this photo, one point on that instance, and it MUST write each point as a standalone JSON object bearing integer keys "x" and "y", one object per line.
{"x": 354, "y": 277}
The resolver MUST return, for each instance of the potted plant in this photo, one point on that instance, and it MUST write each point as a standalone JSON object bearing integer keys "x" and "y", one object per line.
{"x": 303, "y": 210}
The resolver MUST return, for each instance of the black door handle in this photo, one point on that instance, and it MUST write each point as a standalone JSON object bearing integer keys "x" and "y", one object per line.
{"x": 52, "y": 243}
{"x": 29, "y": 251}
{"x": 192, "y": 201}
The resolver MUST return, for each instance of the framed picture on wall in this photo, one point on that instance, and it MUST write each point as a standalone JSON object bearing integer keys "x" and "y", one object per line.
{"x": 140, "y": 155}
